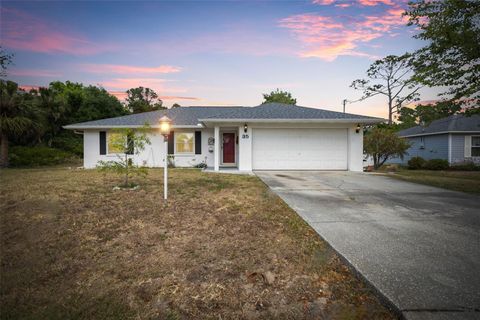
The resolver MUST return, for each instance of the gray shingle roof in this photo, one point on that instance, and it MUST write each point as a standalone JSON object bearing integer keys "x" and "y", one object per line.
{"x": 274, "y": 111}
{"x": 455, "y": 123}
{"x": 183, "y": 116}
{"x": 191, "y": 116}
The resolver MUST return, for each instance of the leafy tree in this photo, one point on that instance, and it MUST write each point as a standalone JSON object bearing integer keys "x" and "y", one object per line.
{"x": 176, "y": 105}
{"x": 142, "y": 100}
{"x": 128, "y": 142}
{"x": 65, "y": 103}
{"x": 390, "y": 77}
{"x": 5, "y": 60}
{"x": 383, "y": 144}
{"x": 17, "y": 116}
{"x": 427, "y": 113}
{"x": 451, "y": 57}
{"x": 279, "y": 96}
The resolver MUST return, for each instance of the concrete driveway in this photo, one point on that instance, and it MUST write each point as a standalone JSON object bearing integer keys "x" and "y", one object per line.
{"x": 419, "y": 246}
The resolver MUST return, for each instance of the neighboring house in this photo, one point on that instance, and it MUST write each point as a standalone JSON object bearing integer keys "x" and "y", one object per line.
{"x": 455, "y": 138}
{"x": 267, "y": 137}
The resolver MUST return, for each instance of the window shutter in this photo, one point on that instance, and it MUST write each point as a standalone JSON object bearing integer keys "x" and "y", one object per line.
{"x": 103, "y": 142}
{"x": 130, "y": 146}
{"x": 198, "y": 142}
{"x": 468, "y": 146}
{"x": 171, "y": 149}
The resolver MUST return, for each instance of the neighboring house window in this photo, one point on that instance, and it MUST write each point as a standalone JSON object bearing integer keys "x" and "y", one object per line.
{"x": 184, "y": 142}
{"x": 475, "y": 146}
{"x": 422, "y": 143}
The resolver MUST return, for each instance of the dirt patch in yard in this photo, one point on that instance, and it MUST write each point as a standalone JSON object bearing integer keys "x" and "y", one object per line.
{"x": 222, "y": 247}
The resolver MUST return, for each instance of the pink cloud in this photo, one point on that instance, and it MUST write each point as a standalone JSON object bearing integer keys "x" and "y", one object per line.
{"x": 323, "y": 2}
{"x": 370, "y": 3}
{"x": 127, "y": 83}
{"x": 124, "y": 69}
{"x": 22, "y": 31}
{"x": 345, "y": 4}
{"x": 34, "y": 73}
{"x": 328, "y": 37}
{"x": 122, "y": 95}
{"x": 178, "y": 98}
{"x": 118, "y": 86}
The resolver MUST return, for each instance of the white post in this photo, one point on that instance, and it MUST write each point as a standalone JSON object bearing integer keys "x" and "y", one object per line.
{"x": 216, "y": 149}
{"x": 165, "y": 174}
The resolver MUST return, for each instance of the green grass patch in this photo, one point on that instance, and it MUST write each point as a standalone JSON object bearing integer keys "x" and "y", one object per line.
{"x": 465, "y": 181}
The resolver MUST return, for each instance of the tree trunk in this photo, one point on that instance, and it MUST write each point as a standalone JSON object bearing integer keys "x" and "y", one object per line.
{"x": 126, "y": 170}
{"x": 375, "y": 162}
{"x": 390, "y": 112}
{"x": 4, "y": 151}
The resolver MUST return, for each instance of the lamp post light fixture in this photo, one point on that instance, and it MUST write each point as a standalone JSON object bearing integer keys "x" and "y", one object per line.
{"x": 165, "y": 124}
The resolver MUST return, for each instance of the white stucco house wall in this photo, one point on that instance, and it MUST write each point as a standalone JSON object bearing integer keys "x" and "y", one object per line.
{"x": 271, "y": 136}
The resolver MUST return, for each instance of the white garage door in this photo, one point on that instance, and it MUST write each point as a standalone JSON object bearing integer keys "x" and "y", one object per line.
{"x": 300, "y": 149}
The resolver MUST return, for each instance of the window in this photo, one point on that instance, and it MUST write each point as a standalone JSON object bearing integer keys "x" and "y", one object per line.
{"x": 475, "y": 146}
{"x": 115, "y": 141}
{"x": 184, "y": 142}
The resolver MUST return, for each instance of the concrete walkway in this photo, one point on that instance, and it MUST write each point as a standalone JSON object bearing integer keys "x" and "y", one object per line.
{"x": 419, "y": 246}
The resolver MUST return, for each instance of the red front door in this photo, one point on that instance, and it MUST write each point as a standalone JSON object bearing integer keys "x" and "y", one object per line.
{"x": 229, "y": 148}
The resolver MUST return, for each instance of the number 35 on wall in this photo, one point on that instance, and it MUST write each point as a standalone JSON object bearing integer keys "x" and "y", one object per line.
{"x": 245, "y": 136}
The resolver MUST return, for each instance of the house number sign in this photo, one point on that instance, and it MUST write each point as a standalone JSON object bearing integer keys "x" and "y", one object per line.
{"x": 245, "y": 136}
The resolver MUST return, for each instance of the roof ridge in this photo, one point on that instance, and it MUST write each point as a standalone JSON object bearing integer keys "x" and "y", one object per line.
{"x": 309, "y": 108}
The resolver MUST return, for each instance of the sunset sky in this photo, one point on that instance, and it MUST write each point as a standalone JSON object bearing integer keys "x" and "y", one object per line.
{"x": 208, "y": 52}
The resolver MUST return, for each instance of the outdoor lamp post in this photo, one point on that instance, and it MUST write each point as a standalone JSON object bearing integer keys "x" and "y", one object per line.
{"x": 165, "y": 124}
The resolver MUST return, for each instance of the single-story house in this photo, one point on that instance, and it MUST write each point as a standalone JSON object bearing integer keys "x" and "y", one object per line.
{"x": 270, "y": 136}
{"x": 455, "y": 138}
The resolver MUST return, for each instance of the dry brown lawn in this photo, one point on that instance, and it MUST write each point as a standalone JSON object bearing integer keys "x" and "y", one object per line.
{"x": 222, "y": 247}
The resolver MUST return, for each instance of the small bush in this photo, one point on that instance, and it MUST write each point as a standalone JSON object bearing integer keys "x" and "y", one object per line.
{"x": 465, "y": 166}
{"x": 416, "y": 163}
{"x": 436, "y": 164}
{"x": 69, "y": 142}
{"x": 201, "y": 165}
{"x": 20, "y": 156}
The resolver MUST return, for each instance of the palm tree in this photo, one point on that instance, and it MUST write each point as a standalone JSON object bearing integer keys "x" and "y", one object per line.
{"x": 17, "y": 116}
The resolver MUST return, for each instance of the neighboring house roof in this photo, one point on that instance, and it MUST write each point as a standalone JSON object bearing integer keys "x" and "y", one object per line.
{"x": 456, "y": 123}
{"x": 193, "y": 116}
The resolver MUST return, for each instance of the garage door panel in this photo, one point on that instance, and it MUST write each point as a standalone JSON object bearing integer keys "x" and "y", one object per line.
{"x": 299, "y": 149}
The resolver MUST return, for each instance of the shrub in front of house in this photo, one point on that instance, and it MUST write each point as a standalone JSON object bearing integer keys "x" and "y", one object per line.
{"x": 436, "y": 164}
{"x": 416, "y": 163}
{"x": 465, "y": 166}
{"x": 21, "y": 156}
{"x": 69, "y": 142}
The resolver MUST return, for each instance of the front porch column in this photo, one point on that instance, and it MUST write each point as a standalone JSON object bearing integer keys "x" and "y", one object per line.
{"x": 216, "y": 149}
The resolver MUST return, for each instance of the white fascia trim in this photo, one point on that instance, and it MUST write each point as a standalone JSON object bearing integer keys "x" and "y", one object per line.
{"x": 440, "y": 132}
{"x": 361, "y": 121}
{"x": 74, "y": 127}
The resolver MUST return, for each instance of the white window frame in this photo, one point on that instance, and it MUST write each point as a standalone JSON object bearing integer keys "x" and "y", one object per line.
{"x": 472, "y": 146}
{"x": 175, "y": 133}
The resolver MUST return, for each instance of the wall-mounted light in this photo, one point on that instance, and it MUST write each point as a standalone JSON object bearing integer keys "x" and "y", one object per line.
{"x": 245, "y": 128}
{"x": 357, "y": 129}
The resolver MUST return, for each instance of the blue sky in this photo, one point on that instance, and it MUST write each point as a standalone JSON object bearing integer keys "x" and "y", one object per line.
{"x": 209, "y": 52}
